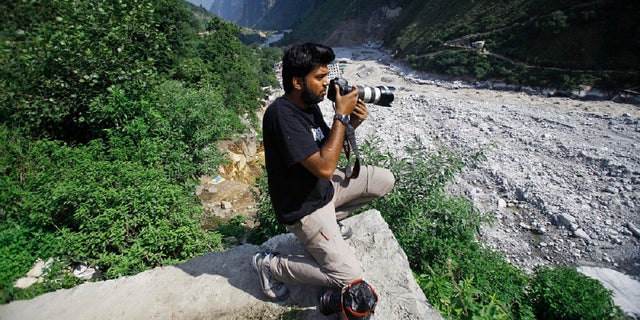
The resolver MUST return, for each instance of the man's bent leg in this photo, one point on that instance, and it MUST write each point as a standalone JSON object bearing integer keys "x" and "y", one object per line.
{"x": 333, "y": 264}
{"x": 351, "y": 194}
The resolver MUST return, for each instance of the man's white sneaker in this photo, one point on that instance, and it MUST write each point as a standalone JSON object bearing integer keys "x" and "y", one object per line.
{"x": 271, "y": 287}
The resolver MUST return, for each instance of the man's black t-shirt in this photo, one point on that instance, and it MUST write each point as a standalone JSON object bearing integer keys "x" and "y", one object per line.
{"x": 291, "y": 135}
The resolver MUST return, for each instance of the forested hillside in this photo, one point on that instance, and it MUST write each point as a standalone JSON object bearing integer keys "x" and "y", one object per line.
{"x": 559, "y": 44}
{"x": 109, "y": 111}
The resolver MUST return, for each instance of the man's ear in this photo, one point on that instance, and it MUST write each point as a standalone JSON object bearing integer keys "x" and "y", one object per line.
{"x": 297, "y": 83}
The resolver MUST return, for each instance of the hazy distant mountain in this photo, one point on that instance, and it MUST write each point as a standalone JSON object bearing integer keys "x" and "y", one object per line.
{"x": 263, "y": 14}
{"x": 204, "y": 3}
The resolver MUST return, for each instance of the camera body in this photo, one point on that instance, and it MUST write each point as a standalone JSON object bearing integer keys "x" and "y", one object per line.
{"x": 380, "y": 95}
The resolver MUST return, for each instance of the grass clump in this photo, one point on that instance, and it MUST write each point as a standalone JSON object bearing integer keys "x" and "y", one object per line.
{"x": 564, "y": 293}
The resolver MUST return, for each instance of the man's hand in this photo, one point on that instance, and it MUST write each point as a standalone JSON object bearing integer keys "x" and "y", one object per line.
{"x": 360, "y": 112}
{"x": 347, "y": 103}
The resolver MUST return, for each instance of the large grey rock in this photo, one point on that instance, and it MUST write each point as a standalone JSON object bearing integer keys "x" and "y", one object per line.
{"x": 222, "y": 285}
{"x": 385, "y": 266}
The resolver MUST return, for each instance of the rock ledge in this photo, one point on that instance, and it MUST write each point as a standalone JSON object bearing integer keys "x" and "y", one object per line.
{"x": 222, "y": 285}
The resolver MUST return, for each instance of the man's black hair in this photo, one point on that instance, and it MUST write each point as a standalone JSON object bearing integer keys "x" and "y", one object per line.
{"x": 301, "y": 59}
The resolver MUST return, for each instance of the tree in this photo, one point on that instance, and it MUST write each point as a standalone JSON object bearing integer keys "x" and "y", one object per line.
{"x": 56, "y": 64}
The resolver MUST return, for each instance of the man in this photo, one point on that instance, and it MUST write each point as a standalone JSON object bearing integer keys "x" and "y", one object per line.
{"x": 307, "y": 192}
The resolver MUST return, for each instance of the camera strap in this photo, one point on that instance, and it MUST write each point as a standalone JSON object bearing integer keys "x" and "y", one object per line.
{"x": 349, "y": 144}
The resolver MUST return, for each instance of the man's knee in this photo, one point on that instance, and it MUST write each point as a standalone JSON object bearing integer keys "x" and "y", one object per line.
{"x": 382, "y": 181}
{"x": 348, "y": 273}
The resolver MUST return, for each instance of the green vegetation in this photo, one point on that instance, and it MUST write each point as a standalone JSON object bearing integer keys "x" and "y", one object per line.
{"x": 585, "y": 298}
{"x": 109, "y": 111}
{"x": 460, "y": 277}
{"x": 266, "y": 215}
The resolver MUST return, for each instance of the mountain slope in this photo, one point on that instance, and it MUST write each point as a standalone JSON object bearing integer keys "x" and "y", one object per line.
{"x": 540, "y": 42}
{"x": 570, "y": 33}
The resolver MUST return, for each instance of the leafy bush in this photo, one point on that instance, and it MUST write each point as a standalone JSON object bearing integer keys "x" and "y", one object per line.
{"x": 268, "y": 56}
{"x": 59, "y": 64}
{"x": 268, "y": 226}
{"x": 59, "y": 69}
{"x": 124, "y": 204}
{"x": 461, "y": 299}
{"x": 232, "y": 68}
{"x": 438, "y": 234}
{"x": 118, "y": 214}
{"x": 234, "y": 227}
{"x": 564, "y": 293}
{"x": 109, "y": 111}
{"x": 193, "y": 119}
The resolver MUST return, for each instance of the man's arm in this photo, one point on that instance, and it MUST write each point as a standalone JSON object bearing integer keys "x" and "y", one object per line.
{"x": 323, "y": 163}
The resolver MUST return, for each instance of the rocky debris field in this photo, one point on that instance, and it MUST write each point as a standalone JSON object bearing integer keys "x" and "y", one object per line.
{"x": 561, "y": 175}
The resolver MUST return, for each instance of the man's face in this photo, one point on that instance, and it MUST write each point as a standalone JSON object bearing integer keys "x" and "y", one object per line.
{"x": 315, "y": 85}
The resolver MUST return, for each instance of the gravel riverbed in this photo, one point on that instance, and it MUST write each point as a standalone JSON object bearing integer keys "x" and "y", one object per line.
{"x": 561, "y": 175}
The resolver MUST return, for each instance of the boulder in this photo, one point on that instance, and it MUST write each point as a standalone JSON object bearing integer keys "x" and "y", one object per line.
{"x": 385, "y": 266}
{"x": 222, "y": 285}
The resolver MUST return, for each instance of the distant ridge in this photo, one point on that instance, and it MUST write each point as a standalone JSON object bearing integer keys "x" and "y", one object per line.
{"x": 263, "y": 14}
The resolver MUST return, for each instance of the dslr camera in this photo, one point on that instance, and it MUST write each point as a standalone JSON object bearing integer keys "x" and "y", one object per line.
{"x": 380, "y": 95}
